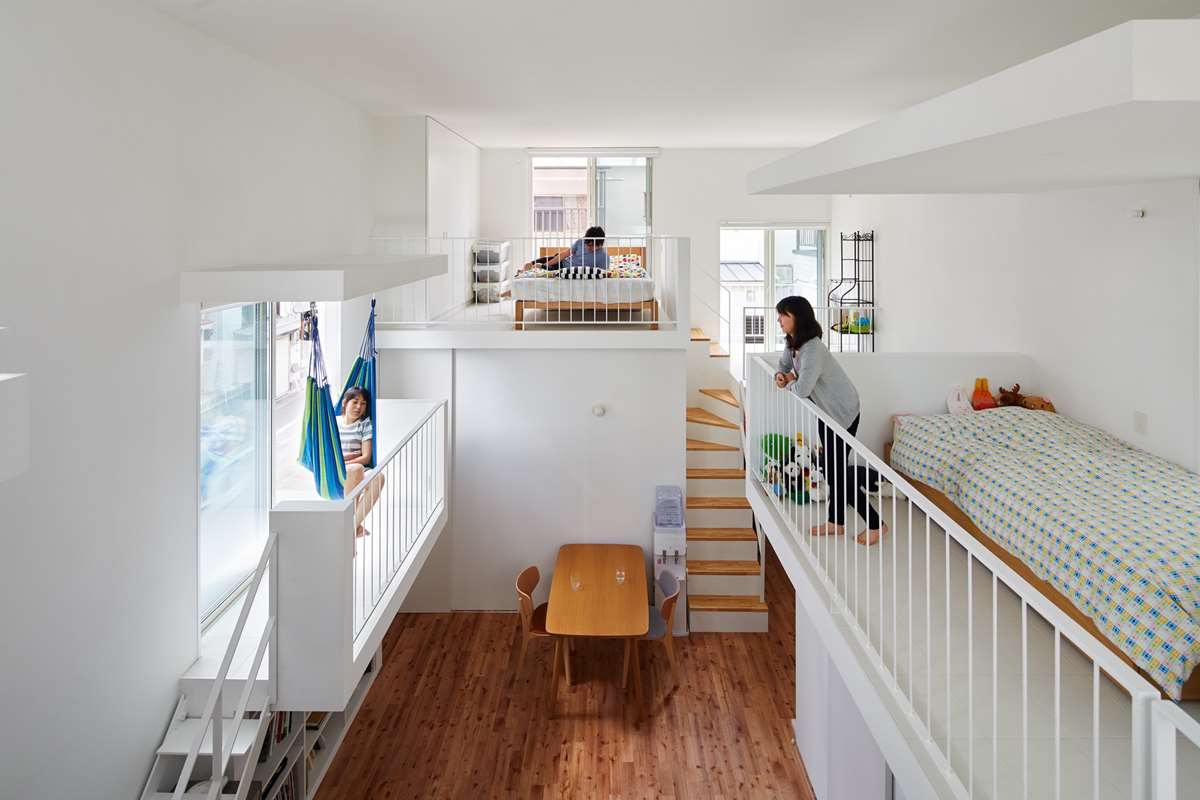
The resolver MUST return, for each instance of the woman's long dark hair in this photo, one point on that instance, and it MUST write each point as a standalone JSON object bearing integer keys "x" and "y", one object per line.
{"x": 806, "y": 326}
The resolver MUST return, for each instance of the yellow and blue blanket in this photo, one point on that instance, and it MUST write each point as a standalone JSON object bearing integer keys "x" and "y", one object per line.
{"x": 1113, "y": 528}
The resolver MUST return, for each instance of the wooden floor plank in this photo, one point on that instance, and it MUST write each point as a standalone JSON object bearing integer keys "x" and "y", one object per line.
{"x": 704, "y": 417}
{"x": 736, "y": 503}
{"x": 715, "y": 473}
{"x": 447, "y": 718}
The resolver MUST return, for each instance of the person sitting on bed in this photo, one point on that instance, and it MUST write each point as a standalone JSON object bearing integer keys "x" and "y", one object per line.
{"x": 807, "y": 368}
{"x": 586, "y": 252}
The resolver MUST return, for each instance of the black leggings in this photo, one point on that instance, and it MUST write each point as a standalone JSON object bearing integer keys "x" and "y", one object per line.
{"x": 846, "y": 478}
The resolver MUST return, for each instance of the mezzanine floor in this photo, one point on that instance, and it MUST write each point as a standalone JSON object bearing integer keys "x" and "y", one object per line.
{"x": 979, "y": 704}
{"x": 447, "y": 718}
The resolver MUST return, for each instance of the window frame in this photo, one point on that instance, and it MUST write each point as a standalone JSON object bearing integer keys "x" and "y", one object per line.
{"x": 593, "y": 194}
{"x": 207, "y": 620}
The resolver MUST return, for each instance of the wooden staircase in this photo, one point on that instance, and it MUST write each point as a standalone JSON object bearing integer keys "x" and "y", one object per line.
{"x": 725, "y": 577}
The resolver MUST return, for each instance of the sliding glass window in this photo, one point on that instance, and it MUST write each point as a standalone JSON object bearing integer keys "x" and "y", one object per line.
{"x": 234, "y": 465}
{"x": 571, "y": 193}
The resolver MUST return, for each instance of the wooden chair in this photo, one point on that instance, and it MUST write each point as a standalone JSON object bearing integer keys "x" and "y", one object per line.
{"x": 661, "y": 625}
{"x": 533, "y": 620}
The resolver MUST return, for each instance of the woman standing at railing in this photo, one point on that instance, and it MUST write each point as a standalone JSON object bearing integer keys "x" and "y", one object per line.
{"x": 807, "y": 368}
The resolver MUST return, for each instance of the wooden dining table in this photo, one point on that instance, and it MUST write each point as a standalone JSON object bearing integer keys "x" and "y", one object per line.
{"x": 587, "y": 600}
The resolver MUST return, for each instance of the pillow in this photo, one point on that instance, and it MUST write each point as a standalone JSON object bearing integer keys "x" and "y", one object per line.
{"x": 624, "y": 261}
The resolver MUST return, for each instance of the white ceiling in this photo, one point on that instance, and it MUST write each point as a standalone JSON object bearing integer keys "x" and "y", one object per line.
{"x": 666, "y": 73}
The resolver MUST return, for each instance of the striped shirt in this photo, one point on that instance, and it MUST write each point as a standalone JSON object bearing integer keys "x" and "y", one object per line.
{"x": 353, "y": 434}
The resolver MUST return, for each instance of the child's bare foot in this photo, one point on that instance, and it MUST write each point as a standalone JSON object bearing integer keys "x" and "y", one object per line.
{"x": 360, "y": 531}
{"x": 828, "y": 529}
{"x": 870, "y": 537}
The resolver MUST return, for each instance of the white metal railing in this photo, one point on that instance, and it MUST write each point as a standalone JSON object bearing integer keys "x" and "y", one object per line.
{"x": 488, "y": 285}
{"x": 987, "y": 670}
{"x": 561, "y": 221}
{"x": 1168, "y": 722}
{"x": 212, "y": 716}
{"x": 393, "y": 504}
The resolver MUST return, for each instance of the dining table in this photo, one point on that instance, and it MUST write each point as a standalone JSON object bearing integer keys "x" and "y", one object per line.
{"x": 599, "y": 591}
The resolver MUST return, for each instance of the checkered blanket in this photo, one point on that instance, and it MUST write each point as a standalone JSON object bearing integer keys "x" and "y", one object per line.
{"x": 1113, "y": 528}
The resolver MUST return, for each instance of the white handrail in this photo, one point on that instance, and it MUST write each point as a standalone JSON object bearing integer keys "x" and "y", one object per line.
{"x": 1167, "y": 720}
{"x": 769, "y": 407}
{"x": 383, "y": 458}
{"x": 207, "y": 718}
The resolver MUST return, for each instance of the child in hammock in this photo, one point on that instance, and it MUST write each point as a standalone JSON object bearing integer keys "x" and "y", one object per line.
{"x": 357, "y": 436}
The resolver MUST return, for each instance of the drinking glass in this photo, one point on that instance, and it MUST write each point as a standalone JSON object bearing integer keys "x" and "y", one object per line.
{"x": 576, "y": 583}
{"x": 620, "y": 576}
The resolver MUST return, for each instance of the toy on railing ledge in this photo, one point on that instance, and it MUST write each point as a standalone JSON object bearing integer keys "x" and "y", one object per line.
{"x": 789, "y": 468}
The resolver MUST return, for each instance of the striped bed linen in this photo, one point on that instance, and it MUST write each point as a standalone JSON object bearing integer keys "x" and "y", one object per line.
{"x": 1113, "y": 528}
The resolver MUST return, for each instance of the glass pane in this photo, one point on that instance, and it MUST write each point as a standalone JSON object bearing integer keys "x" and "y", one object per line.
{"x": 622, "y": 196}
{"x": 799, "y": 254}
{"x": 233, "y": 448}
{"x": 560, "y": 196}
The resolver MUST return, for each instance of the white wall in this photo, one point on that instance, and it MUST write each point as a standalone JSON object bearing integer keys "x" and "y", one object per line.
{"x": 1105, "y": 303}
{"x": 399, "y": 175}
{"x": 452, "y": 196}
{"x": 533, "y": 467}
{"x": 950, "y": 270}
{"x": 506, "y": 194}
{"x": 132, "y": 147}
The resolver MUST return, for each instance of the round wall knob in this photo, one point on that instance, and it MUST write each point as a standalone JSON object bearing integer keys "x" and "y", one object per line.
{"x": 598, "y": 410}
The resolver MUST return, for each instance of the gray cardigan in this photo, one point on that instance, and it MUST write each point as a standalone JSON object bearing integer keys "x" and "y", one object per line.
{"x": 821, "y": 379}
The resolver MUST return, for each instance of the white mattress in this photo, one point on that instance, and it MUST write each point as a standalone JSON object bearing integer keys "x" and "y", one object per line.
{"x": 602, "y": 290}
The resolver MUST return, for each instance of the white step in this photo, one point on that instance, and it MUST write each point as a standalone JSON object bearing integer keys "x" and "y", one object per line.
{"x": 722, "y": 550}
{"x": 178, "y": 741}
{"x": 718, "y": 517}
{"x": 731, "y": 459}
{"x": 718, "y": 407}
{"x": 719, "y": 487}
{"x": 728, "y": 621}
{"x": 712, "y": 433}
{"x": 724, "y": 584}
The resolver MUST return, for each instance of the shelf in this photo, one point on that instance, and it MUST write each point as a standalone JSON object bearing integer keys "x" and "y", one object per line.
{"x": 1118, "y": 107}
{"x": 322, "y": 280}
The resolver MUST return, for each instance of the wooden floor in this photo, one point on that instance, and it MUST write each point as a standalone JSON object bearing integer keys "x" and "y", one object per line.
{"x": 447, "y": 719}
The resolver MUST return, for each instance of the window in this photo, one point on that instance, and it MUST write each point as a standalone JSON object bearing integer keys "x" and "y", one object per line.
{"x": 572, "y": 193}
{"x": 234, "y": 449}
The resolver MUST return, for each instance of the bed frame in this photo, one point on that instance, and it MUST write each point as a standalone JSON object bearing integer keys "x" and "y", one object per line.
{"x": 1191, "y": 687}
{"x": 651, "y": 306}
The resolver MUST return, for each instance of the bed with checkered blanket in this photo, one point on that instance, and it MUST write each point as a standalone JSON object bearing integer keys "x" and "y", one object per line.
{"x": 1114, "y": 529}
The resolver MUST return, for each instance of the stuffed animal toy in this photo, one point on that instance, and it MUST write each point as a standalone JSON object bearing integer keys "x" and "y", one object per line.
{"x": 1035, "y": 403}
{"x": 1010, "y": 397}
{"x": 981, "y": 398}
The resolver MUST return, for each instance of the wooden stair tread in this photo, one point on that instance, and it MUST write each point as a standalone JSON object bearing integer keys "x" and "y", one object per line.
{"x": 702, "y": 417}
{"x": 698, "y": 335}
{"x": 721, "y": 535}
{"x": 736, "y": 503}
{"x": 701, "y": 473}
{"x": 715, "y": 351}
{"x": 714, "y": 567}
{"x": 701, "y": 444}
{"x": 725, "y": 602}
{"x": 724, "y": 395}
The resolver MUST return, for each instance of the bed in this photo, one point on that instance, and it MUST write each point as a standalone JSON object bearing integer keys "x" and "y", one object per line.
{"x": 600, "y": 296}
{"x": 1109, "y": 533}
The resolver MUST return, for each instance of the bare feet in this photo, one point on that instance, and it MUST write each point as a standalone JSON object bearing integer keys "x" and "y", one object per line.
{"x": 828, "y": 529}
{"x": 360, "y": 531}
{"x": 870, "y": 537}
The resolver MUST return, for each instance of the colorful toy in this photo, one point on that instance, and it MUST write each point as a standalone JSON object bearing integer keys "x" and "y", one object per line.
{"x": 788, "y": 468}
{"x": 1013, "y": 397}
{"x": 981, "y": 398}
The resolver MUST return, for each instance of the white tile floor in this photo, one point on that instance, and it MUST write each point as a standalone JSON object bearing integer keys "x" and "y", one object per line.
{"x": 954, "y": 696}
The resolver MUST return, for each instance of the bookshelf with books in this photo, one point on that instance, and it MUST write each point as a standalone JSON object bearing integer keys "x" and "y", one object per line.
{"x": 324, "y": 731}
